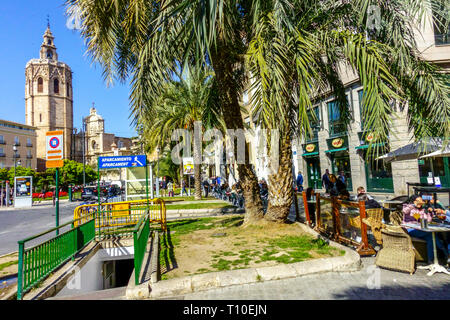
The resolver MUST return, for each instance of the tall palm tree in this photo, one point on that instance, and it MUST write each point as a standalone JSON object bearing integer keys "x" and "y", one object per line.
{"x": 294, "y": 57}
{"x": 293, "y": 46}
{"x": 180, "y": 105}
{"x": 148, "y": 40}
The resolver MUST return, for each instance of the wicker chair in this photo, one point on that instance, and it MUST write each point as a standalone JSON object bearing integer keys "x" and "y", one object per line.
{"x": 419, "y": 245}
{"x": 397, "y": 252}
{"x": 373, "y": 220}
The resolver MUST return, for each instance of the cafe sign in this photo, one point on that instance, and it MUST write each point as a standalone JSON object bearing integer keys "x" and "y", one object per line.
{"x": 370, "y": 137}
{"x": 337, "y": 143}
{"x": 310, "y": 147}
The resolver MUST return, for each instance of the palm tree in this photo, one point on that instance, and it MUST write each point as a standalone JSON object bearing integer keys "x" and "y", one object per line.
{"x": 293, "y": 47}
{"x": 148, "y": 40}
{"x": 181, "y": 104}
{"x": 294, "y": 56}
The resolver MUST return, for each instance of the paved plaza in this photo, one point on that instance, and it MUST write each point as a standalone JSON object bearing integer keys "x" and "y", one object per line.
{"x": 368, "y": 283}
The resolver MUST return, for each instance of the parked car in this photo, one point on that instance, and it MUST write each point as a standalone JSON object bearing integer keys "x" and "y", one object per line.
{"x": 89, "y": 193}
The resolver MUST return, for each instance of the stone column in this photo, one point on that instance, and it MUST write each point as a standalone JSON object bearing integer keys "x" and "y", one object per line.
{"x": 356, "y": 160}
{"x": 402, "y": 171}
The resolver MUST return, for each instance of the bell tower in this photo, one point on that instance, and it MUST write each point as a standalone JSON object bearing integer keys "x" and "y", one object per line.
{"x": 48, "y": 97}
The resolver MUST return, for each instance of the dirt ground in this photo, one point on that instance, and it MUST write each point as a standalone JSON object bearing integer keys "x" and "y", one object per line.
{"x": 237, "y": 247}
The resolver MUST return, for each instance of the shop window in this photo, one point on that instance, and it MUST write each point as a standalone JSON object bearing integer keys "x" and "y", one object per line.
{"x": 314, "y": 121}
{"x": 336, "y": 125}
{"x": 441, "y": 28}
{"x": 425, "y": 166}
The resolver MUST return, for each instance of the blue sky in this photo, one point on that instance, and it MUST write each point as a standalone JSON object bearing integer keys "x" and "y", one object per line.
{"x": 23, "y": 23}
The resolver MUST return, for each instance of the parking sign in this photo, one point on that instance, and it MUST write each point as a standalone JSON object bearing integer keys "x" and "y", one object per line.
{"x": 55, "y": 149}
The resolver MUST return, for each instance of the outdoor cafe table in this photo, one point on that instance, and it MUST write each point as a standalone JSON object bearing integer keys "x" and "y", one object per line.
{"x": 435, "y": 266}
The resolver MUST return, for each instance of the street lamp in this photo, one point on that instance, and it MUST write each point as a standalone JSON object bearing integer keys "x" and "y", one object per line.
{"x": 157, "y": 171}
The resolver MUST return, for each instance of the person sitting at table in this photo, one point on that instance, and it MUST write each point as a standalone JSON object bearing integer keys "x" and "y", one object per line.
{"x": 361, "y": 191}
{"x": 344, "y": 194}
{"x": 311, "y": 206}
{"x": 414, "y": 210}
{"x": 370, "y": 203}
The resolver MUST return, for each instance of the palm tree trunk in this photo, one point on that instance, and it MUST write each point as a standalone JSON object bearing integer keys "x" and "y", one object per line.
{"x": 280, "y": 183}
{"x": 223, "y": 64}
{"x": 197, "y": 177}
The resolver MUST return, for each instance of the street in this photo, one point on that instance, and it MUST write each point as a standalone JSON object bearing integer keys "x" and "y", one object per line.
{"x": 18, "y": 224}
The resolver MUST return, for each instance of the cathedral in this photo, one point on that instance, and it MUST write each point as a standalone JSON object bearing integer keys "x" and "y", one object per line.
{"x": 49, "y": 97}
{"x": 49, "y": 107}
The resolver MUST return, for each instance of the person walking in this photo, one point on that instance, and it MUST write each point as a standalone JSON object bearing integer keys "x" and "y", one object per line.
{"x": 54, "y": 196}
{"x": 164, "y": 186}
{"x": 326, "y": 181}
{"x": 170, "y": 188}
{"x": 183, "y": 187}
{"x": 299, "y": 182}
{"x": 206, "y": 187}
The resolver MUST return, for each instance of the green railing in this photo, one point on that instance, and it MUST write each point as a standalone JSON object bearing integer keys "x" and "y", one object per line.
{"x": 140, "y": 237}
{"x": 37, "y": 262}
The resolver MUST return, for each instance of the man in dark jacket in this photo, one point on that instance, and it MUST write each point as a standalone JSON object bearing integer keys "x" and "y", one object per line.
{"x": 299, "y": 182}
{"x": 326, "y": 181}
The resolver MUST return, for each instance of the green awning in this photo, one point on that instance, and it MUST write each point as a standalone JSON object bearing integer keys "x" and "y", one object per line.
{"x": 335, "y": 150}
{"x": 310, "y": 154}
{"x": 366, "y": 146}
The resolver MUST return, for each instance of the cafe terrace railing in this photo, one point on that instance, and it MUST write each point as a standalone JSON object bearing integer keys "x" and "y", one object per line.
{"x": 120, "y": 218}
{"x": 341, "y": 221}
{"x": 38, "y": 261}
{"x": 141, "y": 234}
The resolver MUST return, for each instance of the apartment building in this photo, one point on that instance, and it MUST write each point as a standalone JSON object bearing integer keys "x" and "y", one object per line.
{"x": 23, "y": 138}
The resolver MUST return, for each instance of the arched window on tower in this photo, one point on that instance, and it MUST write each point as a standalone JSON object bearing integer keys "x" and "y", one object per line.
{"x": 40, "y": 85}
{"x": 68, "y": 89}
{"x": 56, "y": 86}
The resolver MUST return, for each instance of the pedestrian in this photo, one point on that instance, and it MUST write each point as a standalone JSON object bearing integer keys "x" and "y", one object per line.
{"x": 326, "y": 181}
{"x": 183, "y": 187}
{"x": 54, "y": 196}
{"x": 170, "y": 188}
{"x": 163, "y": 186}
{"x": 206, "y": 187}
{"x": 300, "y": 182}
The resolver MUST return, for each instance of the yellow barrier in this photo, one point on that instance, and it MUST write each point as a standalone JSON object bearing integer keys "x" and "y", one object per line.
{"x": 121, "y": 214}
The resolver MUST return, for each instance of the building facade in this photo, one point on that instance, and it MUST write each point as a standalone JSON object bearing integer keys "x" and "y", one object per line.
{"x": 49, "y": 97}
{"x": 21, "y": 136}
{"x": 337, "y": 148}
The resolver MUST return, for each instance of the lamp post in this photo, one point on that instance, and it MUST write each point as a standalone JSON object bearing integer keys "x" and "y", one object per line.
{"x": 157, "y": 171}
{"x": 14, "y": 178}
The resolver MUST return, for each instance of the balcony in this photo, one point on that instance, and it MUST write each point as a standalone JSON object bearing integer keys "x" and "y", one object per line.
{"x": 2, "y": 142}
{"x": 29, "y": 144}
{"x": 16, "y": 143}
{"x": 2, "y": 155}
{"x": 29, "y": 156}
{"x": 16, "y": 156}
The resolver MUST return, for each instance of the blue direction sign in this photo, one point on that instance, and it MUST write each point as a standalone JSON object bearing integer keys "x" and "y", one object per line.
{"x": 122, "y": 162}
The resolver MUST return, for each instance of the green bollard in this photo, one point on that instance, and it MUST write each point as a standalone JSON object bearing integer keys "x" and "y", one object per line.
{"x": 70, "y": 193}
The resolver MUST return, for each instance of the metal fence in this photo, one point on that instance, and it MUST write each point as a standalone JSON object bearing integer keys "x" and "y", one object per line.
{"x": 46, "y": 253}
{"x": 119, "y": 218}
{"x": 37, "y": 262}
{"x": 141, "y": 234}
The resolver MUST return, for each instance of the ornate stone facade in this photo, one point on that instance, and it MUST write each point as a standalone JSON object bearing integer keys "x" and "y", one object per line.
{"x": 49, "y": 97}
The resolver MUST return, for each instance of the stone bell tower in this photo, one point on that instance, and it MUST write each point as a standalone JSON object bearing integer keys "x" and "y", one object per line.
{"x": 49, "y": 97}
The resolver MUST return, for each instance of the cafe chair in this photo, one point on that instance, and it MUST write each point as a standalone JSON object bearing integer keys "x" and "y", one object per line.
{"x": 419, "y": 245}
{"x": 373, "y": 220}
{"x": 397, "y": 252}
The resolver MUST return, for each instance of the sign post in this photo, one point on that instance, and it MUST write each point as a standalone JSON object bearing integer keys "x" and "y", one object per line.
{"x": 188, "y": 169}
{"x": 122, "y": 162}
{"x": 55, "y": 159}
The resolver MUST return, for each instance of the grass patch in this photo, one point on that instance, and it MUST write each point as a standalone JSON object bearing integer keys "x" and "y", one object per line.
{"x": 8, "y": 264}
{"x": 191, "y": 243}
